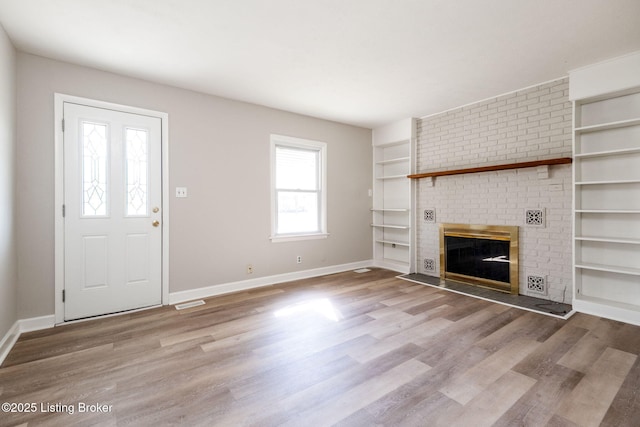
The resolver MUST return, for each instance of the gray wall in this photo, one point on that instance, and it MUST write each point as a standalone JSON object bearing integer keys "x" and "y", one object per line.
{"x": 219, "y": 149}
{"x": 8, "y": 271}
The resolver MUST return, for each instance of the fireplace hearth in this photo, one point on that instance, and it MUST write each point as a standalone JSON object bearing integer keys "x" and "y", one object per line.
{"x": 481, "y": 255}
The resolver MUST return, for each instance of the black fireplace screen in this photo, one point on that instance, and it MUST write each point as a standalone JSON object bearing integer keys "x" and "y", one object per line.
{"x": 483, "y": 258}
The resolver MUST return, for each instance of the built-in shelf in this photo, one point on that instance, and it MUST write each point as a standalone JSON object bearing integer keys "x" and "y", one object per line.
{"x": 391, "y": 161}
{"x": 519, "y": 165}
{"x": 609, "y": 211}
{"x": 392, "y": 223}
{"x": 607, "y": 126}
{"x": 397, "y": 227}
{"x": 619, "y": 181}
{"x": 606, "y": 153}
{"x": 392, "y": 177}
{"x": 608, "y": 240}
{"x": 609, "y": 268}
{"x": 391, "y": 242}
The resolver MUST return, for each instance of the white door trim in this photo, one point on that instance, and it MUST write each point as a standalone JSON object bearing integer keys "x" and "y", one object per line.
{"x": 59, "y": 100}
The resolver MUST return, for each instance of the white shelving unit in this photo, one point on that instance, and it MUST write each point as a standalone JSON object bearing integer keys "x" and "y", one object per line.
{"x": 607, "y": 205}
{"x": 392, "y": 220}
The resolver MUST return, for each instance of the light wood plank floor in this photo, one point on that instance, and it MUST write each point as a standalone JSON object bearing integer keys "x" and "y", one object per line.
{"x": 346, "y": 349}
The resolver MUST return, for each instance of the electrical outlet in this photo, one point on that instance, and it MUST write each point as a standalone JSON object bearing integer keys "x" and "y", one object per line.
{"x": 249, "y": 269}
{"x": 181, "y": 191}
{"x": 299, "y": 259}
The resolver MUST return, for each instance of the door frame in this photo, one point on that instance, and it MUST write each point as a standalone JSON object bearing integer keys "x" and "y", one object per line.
{"x": 59, "y": 100}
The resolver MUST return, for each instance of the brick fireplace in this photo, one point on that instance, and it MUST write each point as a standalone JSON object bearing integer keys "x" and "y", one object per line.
{"x": 530, "y": 124}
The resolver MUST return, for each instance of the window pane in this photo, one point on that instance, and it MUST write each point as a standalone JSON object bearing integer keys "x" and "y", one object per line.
{"x": 94, "y": 169}
{"x": 296, "y": 168}
{"x": 297, "y": 212}
{"x": 137, "y": 161}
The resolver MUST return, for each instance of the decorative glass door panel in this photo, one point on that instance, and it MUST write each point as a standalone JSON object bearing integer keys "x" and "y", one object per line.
{"x": 137, "y": 163}
{"x": 95, "y": 159}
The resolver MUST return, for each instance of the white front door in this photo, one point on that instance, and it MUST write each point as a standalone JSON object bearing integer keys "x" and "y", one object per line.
{"x": 112, "y": 211}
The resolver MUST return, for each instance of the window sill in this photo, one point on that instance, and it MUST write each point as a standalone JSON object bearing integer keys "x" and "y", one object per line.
{"x": 296, "y": 237}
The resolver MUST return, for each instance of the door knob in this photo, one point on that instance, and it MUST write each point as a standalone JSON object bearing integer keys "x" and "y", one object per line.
{"x": 155, "y": 223}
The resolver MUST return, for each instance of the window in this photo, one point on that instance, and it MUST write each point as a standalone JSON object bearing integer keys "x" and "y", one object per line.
{"x": 298, "y": 188}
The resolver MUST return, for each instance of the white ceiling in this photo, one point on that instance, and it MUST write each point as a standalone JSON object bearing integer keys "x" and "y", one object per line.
{"x": 363, "y": 62}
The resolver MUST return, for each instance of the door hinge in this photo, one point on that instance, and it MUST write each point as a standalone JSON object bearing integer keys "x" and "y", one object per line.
{"x": 63, "y": 296}
{"x": 64, "y": 210}
{"x": 62, "y": 125}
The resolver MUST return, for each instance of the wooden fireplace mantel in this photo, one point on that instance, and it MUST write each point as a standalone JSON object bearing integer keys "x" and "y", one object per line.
{"x": 557, "y": 161}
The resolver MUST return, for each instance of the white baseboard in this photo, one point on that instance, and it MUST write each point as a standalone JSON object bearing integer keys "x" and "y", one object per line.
{"x": 226, "y": 288}
{"x": 388, "y": 265}
{"x": 20, "y": 326}
{"x": 8, "y": 341}
{"x": 37, "y": 323}
{"x": 619, "y": 314}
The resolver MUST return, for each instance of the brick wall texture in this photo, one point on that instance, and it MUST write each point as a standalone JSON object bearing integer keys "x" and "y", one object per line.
{"x": 530, "y": 124}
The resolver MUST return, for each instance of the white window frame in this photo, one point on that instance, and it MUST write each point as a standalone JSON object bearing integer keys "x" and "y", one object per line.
{"x": 321, "y": 147}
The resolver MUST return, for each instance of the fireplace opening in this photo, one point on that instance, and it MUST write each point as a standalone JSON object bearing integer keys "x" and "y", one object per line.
{"x": 481, "y": 255}
{"x": 484, "y": 258}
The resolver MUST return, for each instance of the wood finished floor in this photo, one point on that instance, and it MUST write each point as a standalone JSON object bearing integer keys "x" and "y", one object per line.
{"x": 399, "y": 354}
